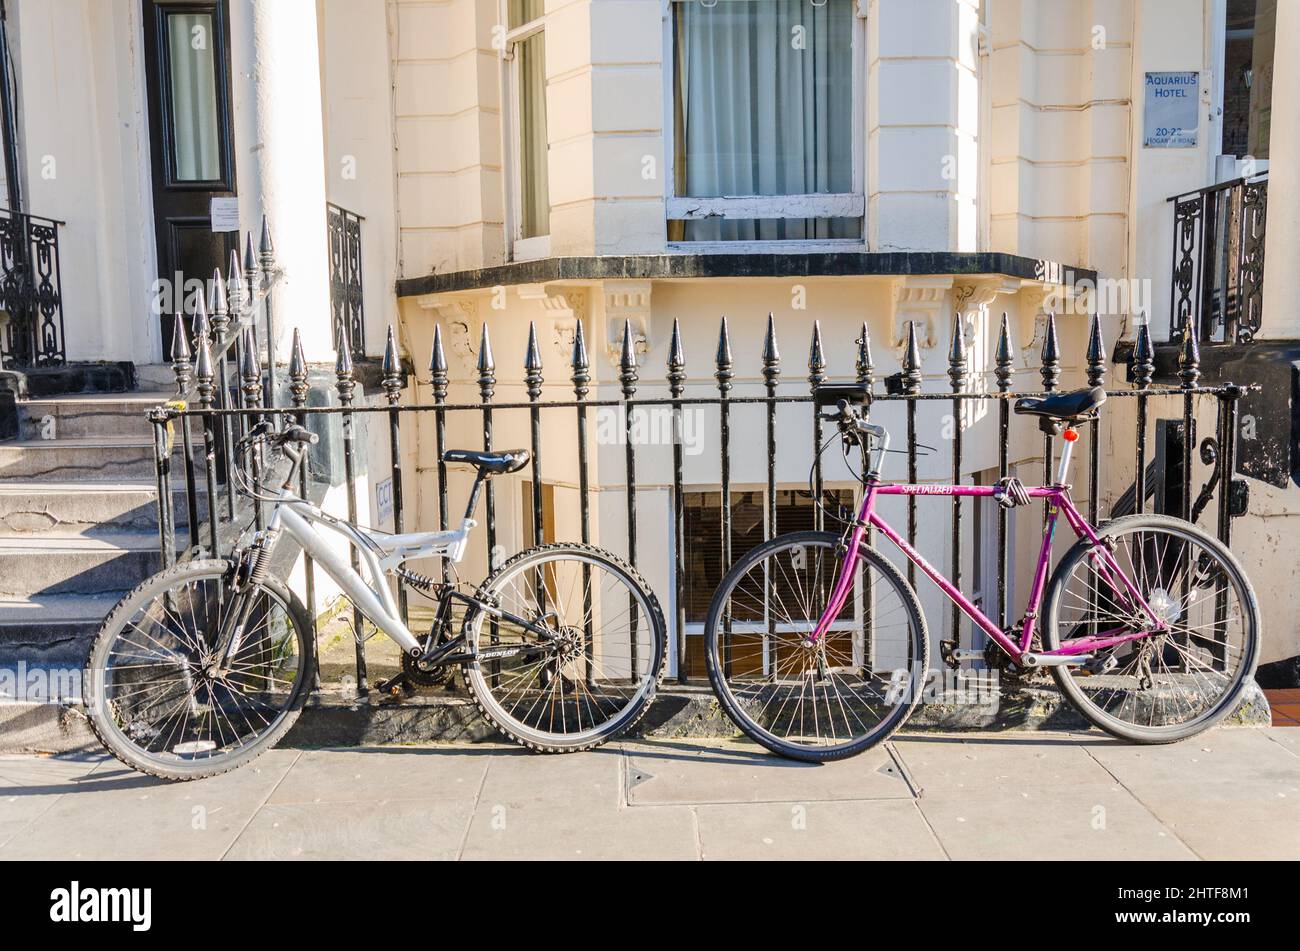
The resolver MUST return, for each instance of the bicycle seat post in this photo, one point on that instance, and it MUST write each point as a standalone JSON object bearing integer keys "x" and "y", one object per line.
{"x": 1070, "y": 435}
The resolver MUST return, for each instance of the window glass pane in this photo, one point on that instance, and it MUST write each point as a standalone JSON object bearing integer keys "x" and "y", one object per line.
{"x": 525, "y": 11}
{"x": 535, "y": 197}
{"x": 196, "y": 142}
{"x": 1249, "y": 42}
{"x": 763, "y": 106}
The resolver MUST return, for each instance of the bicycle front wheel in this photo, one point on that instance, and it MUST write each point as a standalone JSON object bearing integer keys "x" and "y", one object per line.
{"x": 1167, "y": 683}
{"x": 824, "y": 699}
{"x": 595, "y": 672}
{"x": 157, "y": 693}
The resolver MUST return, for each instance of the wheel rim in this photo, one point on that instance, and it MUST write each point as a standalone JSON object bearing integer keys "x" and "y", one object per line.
{"x": 159, "y": 688}
{"x": 600, "y": 669}
{"x": 1179, "y": 674}
{"x": 841, "y": 690}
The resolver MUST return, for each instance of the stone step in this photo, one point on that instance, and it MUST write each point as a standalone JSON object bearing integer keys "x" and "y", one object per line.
{"x": 54, "y": 563}
{"x": 28, "y": 508}
{"x": 87, "y": 416}
{"x": 52, "y": 629}
{"x": 103, "y": 458}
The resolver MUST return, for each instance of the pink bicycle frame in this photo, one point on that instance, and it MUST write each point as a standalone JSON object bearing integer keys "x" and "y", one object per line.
{"x": 1058, "y": 502}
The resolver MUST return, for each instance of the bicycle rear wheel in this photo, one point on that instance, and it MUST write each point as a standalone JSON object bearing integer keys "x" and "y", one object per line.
{"x": 159, "y": 699}
{"x": 591, "y": 681}
{"x": 1168, "y": 685}
{"x": 815, "y": 701}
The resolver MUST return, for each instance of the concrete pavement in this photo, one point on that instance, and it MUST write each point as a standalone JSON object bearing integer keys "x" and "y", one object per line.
{"x": 1230, "y": 793}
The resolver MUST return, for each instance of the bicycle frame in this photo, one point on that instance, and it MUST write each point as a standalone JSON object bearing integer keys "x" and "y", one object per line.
{"x": 1057, "y": 498}
{"x": 379, "y": 554}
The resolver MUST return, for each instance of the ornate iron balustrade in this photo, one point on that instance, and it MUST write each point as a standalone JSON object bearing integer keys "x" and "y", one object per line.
{"x": 31, "y": 291}
{"x": 346, "y": 300}
{"x": 757, "y": 403}
{"x": 1218, "y": 261}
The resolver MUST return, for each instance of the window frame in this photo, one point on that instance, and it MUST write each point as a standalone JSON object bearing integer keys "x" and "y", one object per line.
{"x": 518, "y": 248}
{"x": 743, "y": 207}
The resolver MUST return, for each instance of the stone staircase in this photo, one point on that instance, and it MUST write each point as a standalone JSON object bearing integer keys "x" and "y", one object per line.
{"x": 78, "y": 521}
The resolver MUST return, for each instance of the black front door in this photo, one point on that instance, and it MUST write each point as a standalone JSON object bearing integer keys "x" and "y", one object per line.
{"x": 187, "y": 53}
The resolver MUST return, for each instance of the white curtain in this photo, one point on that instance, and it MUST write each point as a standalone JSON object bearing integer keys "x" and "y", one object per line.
{"x": 191, "y": 51}
{"x": 535, "y": 196}
{"x": 764, "y": 107}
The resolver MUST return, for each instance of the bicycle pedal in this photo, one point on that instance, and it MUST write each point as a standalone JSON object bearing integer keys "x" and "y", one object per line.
{"x": 394, "y": 686}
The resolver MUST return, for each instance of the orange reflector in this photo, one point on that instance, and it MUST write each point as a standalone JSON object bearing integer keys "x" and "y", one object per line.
{"x": 1070, "y": 435}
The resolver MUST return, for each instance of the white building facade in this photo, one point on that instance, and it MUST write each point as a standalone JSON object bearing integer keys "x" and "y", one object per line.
{"x": 631, "y": 163}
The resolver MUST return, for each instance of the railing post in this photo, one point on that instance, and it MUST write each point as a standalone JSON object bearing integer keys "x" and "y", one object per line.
{"x": 266, "y": 257}
{"x": 1189, "y": 374}
{"x": 251, "y": 377}
{"x": 816, "y": 377}
{"x": 1004, "y": 368}
{"x": 1096, "y": 377}
{"x": 219, "y": 307}
{"x": 723, "y": 373}
{"x": 487, "y": 387}
{"x": 957, "y": 381}
{"x": 581, "y": 382}
{"x": 676, "y": 384}
{"x": 911, "y": 379}
{"x": 1143, "y": 370}
{"x": 183, "y": 368}
{"x": 438, "y": 380}
{"x": 345, "y": 383}
{"x": 392, "y": 383}
{"x": 298, "y": 389}
{"x": 1050, "y": 371}
{"x": 162, "y": 470}
{"x": 206, "y": 387}
{"x": 865, "y": 366}
{"x": 627, "y": 378}
{"x": 533, "y": 387}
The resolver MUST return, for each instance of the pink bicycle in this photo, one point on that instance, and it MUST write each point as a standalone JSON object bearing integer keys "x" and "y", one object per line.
{"x": 817, "y": 646}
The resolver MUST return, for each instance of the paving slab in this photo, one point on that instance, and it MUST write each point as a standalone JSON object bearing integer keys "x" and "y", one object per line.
{"x": 1047, "y": 823}
{"x": 674, "y": 772}
{"x": 952, "y": 767}
{"x": 654, "y": 833}
{"x": 1228, "y": 820}
{"x": 1288, "y": 737}
{"x": 410, "y": 829}
{"x": 116, "y": 813}
{"x": 592, "y": 778}
{"x": 31, "y": 785}
{"x": 1243, "y": 756}
{"x": 876, "y": 829}
{"x": 446, "y": 773}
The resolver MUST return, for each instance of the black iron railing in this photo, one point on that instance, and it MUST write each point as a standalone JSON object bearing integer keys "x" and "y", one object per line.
{"x": 1175, "y": 407}
{"x": 31, "y": 291}
{"x": 346, "y": 298}
{"x": 220, "y": 364}
{"x": 1218, "y": 261}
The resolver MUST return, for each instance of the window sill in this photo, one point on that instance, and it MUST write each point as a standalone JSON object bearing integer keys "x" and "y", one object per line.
{"x": 696, "y": 263}
{"x": 531, "y": 249}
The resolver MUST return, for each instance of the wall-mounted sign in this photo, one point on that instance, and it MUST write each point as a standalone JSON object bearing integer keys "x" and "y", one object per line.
{"x": 1172, "y": 113}
{"x": 384, "y": 502}
{"x": 224, "y": 214}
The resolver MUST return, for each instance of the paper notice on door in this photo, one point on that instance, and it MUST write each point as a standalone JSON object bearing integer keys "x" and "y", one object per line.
{"x": 225, "y": 214}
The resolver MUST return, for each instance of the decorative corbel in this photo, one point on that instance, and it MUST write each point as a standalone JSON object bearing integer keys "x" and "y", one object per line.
{"x": 972, "y": 296}
{"x": 564, "y": 306}
{"x": 461, "y": 326}
{"x": 626, "y": 301}
{"x": 918, "y": 299}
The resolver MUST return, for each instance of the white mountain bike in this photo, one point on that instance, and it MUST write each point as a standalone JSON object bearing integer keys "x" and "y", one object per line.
{"x": 207, "y": 665}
